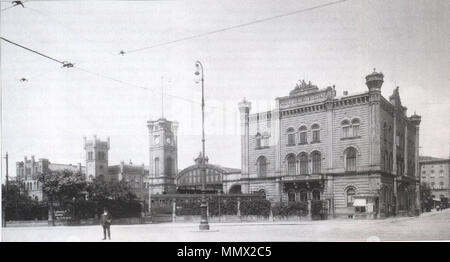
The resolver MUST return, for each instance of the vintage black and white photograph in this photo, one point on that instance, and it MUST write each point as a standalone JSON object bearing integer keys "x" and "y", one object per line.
{"x": 225, "y": 121}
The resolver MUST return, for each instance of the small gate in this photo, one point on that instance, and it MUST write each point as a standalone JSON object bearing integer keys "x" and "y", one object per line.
{"x": 320, "y": 209}
{"x": 161, "y": 210}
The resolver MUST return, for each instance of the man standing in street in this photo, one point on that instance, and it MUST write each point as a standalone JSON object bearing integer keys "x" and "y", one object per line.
{"x": 105, "y": 221}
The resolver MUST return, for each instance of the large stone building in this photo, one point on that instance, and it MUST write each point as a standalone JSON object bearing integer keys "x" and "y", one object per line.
{"x": 354, "y": 150}
{"x": 97, "y": 166}
{"x": 135, "y": 175}
{"x": 436, "y": 173}
{"x": 28, "y": 171}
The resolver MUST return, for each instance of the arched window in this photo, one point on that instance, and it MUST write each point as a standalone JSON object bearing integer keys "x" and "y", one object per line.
{"x": 303, "y": 135}
{"x": 262, "y": 192}
{"x": 315, "y": 133}
{"x": 169, "y": 167}
{"x": 316, "y": 194}
{"x": 236, "y": 189}
{"x": 290, "y": 136}
{"x": 345, "y": 128}
{"x": 258, "y": 140}
{"x": 303, "y": 163}
{"x": 261, "y": 166}
{"x": 265, "y": 139}
{"x": 355, "y": 127}
{"x": 290, "y": 164}
{"x": 316, "y": 162}
{"x": 349, "y": 196}
{"x": 350, "y": 159}
{"x": 291, "y": 196}
{"x": 303, "y": 196}
{"x": 156, "y": 165}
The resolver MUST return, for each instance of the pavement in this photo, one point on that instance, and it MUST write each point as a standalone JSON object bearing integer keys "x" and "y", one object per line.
{"x": 431, "y": 226}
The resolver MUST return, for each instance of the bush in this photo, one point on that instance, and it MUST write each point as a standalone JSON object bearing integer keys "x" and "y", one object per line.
{"x": 227, "y": 206}
{"x": 122, "y": 208}
{"x": 256, "y": 207}
{"x": 317, "y": 207}
{"x": 161, "y": 210}
{"x": 188, "y": 207}
{"x": 290, "y": 209}
{"x": 85, "y": 209}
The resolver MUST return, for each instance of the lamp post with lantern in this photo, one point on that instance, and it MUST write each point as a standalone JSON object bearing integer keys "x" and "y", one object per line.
{"x": 204, "y": 225}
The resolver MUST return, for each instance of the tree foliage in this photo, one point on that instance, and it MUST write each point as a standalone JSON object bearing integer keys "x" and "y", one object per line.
{"x": 20, "y": 206}
{"x": 290, "y": 209}
{"x": 426, "y": 198}
{"x": 62, "y": 185}
{"x": 117, "y": 197}
{"x": 255, "y": 207}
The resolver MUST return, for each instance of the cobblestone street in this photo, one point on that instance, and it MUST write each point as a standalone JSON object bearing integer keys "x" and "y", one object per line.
{"x": 428, "y": 227}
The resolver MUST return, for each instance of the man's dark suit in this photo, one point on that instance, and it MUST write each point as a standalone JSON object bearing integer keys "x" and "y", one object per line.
{"x": 105, "y": 221}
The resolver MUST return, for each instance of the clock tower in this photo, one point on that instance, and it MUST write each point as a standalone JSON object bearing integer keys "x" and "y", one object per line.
{"x": 163, "y": 166}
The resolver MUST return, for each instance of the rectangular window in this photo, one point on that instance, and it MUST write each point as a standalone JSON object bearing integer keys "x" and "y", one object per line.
{"x": 316, "y": 136}
{"x": 346, "y": 131}
{"x": 90, "y": 156}
{"x": 258, "y": 142}
{"x": 291, "y": 139}
{"x": 303, "y": 138}
{"x": 355, "y": 130}
{"x": 265, "y": 141}
{"x": 101, "y": 155}
{"x": 351, "y": 164}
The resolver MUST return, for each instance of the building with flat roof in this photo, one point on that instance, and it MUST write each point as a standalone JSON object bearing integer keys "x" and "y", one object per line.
{"x": 358, "y": 152}
{"x": 435, "y": 172}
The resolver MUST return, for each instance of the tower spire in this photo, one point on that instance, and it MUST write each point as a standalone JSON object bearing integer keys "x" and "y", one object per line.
{"x": 162, "y": 96}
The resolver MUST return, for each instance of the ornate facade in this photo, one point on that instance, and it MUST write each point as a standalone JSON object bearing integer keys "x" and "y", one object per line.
{"x": 28, "y": 171}
{"x": 355, "y": 150}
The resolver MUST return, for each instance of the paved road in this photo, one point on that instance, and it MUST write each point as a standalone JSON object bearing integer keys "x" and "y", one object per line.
{"x": 429, "y": 227}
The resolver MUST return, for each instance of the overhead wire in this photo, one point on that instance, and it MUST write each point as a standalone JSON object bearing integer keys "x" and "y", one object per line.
{"x": 237, "y": 26}
{"x": 34, "y": 51}
{"x": 9, "y": 7}
{"x": 179, "y": 40}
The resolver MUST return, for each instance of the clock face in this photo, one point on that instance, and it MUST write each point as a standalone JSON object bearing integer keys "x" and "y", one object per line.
{"x": 156, "y": 139}
{"x": 169, "y": 140}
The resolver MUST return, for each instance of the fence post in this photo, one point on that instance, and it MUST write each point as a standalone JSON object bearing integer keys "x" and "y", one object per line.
{"x": 239, "y": 207}
{"x": 271, "y": 214}
{"x": 174, "y": 209}
{"x": 309, "y": 209}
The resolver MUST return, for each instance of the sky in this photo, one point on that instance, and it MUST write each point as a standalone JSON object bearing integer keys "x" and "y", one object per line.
{"x": 340, "y": 44}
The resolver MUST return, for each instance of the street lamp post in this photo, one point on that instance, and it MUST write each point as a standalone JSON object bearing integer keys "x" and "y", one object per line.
{"x": 6, "y": 194}
{"x": 204, "y": 218}
{"x": 74, "y": 211}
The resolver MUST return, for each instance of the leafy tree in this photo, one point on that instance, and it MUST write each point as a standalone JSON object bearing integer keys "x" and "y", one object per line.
{"x": 426, "y": 198}
{"x": 20, "y": 206}
{"x": 115, "y": 196}
{"x": 63, "y": 185}
{"x": 100, "y": 190}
